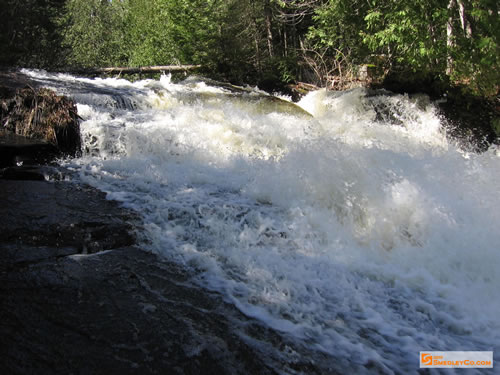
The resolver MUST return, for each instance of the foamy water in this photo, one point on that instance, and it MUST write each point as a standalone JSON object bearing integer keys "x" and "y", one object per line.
{"x": 350, "y": 224}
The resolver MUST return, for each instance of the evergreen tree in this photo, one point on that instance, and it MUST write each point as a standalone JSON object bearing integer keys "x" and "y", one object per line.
{"x": 94, "y": 32}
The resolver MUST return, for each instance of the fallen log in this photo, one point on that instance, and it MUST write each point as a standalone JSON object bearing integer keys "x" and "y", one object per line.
{"x": 136, "y": 70}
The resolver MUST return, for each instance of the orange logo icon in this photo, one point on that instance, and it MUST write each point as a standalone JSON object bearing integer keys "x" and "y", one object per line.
{"x": 425, "y": 359}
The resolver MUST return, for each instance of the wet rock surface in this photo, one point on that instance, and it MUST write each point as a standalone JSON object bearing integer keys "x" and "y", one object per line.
{"x": 78, "y": 297}
{"x": 16, "y": 150}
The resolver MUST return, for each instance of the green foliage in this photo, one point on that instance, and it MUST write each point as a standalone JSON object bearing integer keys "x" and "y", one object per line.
{"x": 241, "y": 40}
{"x": 475, "y": 55}
{"x": 338, "y": 24}
{"x": 287, "y": 68}
{"x": 444, "y": 39}
{"x": 171, "y": 31}
{"x": 256, "y": 41}
{"x": 94, "y": 32}
{"x": 411, "y": 34}
{"x": 148, "y": 40}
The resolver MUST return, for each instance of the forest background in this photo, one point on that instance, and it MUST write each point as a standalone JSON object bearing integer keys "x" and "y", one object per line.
{"x": 434, "y": 44}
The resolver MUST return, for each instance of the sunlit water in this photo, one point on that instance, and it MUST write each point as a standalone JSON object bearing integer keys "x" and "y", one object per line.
{"x": 350, "y": 223}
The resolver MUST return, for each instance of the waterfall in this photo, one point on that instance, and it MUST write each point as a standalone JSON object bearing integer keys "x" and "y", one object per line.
{"x": 349, "y": 223}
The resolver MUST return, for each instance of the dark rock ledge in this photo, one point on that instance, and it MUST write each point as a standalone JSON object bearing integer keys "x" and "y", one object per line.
{"x": 79, "y": 298}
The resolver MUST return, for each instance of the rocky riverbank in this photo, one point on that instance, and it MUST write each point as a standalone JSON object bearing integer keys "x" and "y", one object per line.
{"x": 80, "y": 297}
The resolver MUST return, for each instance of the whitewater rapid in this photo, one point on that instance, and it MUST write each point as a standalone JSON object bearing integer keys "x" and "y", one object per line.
{"x": 349, "y": 223}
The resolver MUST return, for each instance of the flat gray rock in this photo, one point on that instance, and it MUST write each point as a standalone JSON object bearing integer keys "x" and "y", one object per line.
{"x": 79, "y": 298}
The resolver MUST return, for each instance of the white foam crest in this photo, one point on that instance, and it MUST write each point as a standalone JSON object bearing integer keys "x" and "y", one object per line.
{"x": 213, "y": 131}
{"x": 365, "y": 119}
{"x": 95, "y": 82}
{"x": 402, "y": 212}
{"x": 354, "y": 234}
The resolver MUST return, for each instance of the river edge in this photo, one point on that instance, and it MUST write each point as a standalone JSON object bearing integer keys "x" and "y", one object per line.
{"x": 80, "y": 296}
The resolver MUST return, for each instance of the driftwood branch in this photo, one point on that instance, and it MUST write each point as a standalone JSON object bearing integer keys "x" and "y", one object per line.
{"x": 142, "y": 69}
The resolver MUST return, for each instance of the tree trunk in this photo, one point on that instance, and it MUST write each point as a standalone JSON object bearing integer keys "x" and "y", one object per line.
{"x": 450, "y": 43}
{"x": 268, "y": 17}
{"x": 466, "y": 27}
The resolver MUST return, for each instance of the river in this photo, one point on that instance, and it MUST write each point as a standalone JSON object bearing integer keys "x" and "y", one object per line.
{"x": 349, "y": 223}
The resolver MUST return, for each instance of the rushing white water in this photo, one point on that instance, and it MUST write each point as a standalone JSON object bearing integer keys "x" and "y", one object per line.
{"x": 360, "y": 233}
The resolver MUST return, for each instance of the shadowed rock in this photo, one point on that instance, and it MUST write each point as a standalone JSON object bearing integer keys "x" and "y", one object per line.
{"x": 18, "y": 150}
{"x": 78, "y": 297}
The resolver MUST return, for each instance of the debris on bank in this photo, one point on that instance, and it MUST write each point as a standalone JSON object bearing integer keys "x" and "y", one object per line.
{"x": 42, "y": 115}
